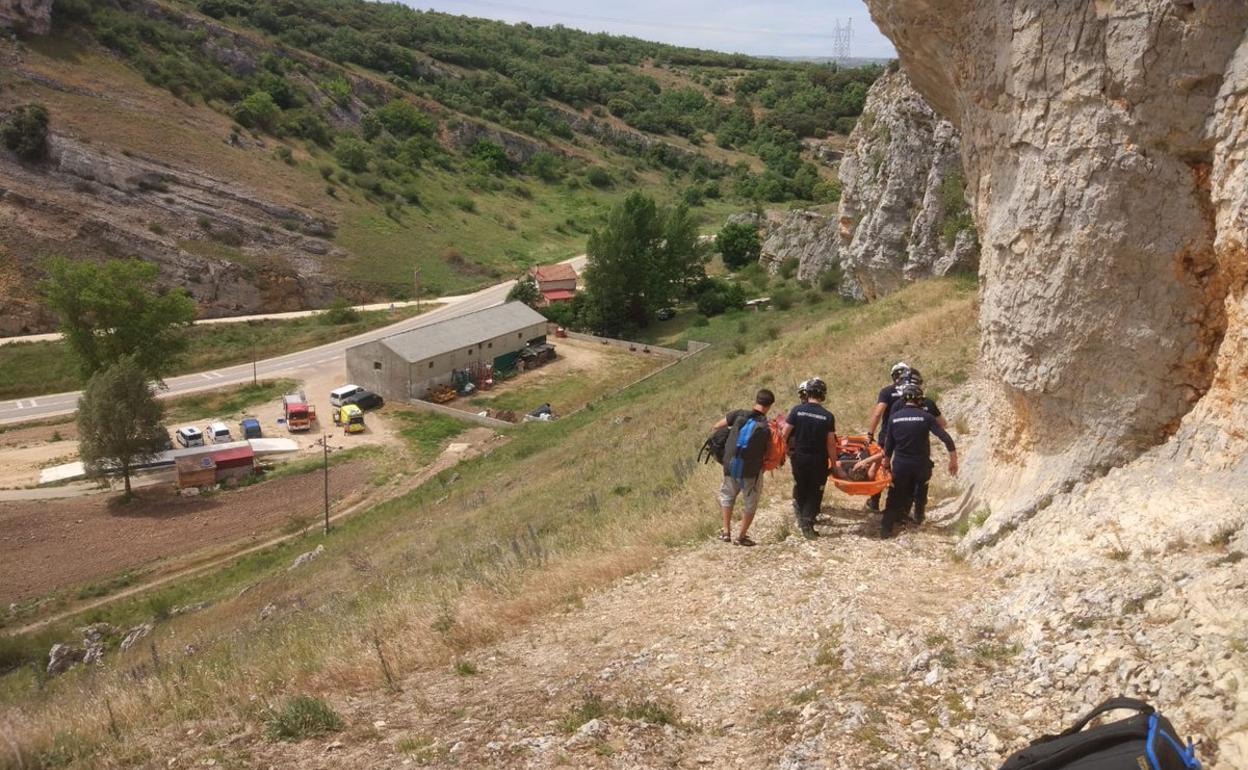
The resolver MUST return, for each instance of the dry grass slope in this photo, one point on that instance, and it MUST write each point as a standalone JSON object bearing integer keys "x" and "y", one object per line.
{"x": 467, "y": 559}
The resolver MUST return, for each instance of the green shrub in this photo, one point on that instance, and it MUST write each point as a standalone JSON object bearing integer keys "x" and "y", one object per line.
{"x": 339, "y": 312}
{"x": 464, "y": 203}
{"x": 739, "y": 244}
{"x": 830, "y": 279}
{"x": 788, "y": 268}
{"x": 302, "y": 717}
{"x": 257, "y": 111}
{"x": 24, "y": 131}
{"x": 782, "y": 298}
{"x": 599, "y": 177}
{"x": 285, "y": 155}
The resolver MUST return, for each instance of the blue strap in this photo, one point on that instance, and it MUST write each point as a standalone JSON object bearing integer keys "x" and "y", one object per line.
{"x": 1187, "y": 754}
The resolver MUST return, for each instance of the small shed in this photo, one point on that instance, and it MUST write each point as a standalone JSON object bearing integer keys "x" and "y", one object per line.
{"x": 196, "y": 471}
{"x": 234, "y": 462}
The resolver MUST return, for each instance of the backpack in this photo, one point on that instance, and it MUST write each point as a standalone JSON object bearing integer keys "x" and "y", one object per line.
{"x": 713, "y": 447}
{"x": 751, "y": 433}
{"x": 1145, "y": 741}
{"x": 776, "y": 450}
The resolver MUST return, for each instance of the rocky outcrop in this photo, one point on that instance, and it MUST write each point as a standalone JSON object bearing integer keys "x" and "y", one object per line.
{"x": 232, "y": 249}
{"x": 1111, "y": 207}
{"x": 27, "y": 17}
{"x": 903, "y": 213}
{"x": 809, "y": 236}
{"x": 1103, "y": 146}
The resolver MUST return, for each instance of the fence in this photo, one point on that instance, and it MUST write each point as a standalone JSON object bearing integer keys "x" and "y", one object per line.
{"x": 429, "y": 406}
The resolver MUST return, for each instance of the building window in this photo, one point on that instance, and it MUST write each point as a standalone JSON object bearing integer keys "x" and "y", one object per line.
{"x": 519, "y": 335}
{"x": 490, "y": 345}
{"x": 377, "y": 365}
{"x": 430, "y": 364}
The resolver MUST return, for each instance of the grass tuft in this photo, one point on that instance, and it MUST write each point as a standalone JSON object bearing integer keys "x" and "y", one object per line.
{"x": 302, "y": 717}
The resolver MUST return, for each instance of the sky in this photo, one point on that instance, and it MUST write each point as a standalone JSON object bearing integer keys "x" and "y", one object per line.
{"x": 787, "y": 28}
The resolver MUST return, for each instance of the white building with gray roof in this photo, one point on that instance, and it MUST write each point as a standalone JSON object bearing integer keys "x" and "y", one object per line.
{"x": 406, "y": 365}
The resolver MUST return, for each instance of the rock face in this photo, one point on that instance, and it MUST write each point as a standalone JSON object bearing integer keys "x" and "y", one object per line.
{"x": 903, "y": 213}
{"x": 1104, "y": 144}
{"x": 805, "y": 235}
{"x": 1110, "y": 199}
{"x": 30, "y": 17}
{"x": 87, "y": 201}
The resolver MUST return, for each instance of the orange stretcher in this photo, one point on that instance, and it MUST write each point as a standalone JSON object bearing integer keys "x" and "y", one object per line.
{"x": 853, "y": 445}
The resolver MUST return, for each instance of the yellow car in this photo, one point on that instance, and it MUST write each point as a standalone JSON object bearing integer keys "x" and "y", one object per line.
{"x": 350, "y": 417}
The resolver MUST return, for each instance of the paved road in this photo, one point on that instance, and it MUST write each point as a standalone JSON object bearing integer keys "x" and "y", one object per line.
{"x": 20, "y": 410}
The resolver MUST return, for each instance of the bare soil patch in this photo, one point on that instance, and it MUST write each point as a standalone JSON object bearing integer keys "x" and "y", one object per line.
{"x": 51, "y": 545}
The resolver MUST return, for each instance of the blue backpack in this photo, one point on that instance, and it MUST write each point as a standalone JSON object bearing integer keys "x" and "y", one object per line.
{"x": 751, "y": 431}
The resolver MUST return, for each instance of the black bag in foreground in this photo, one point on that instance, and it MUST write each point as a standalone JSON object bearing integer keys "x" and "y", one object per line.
{"x": 1145, "y": 741}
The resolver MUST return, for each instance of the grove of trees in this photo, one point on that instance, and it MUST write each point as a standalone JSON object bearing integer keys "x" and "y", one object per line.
{"x": 643, "y": 259}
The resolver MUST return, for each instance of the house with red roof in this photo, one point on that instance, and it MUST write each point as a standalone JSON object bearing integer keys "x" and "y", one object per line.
{"x": 557, "y": 283}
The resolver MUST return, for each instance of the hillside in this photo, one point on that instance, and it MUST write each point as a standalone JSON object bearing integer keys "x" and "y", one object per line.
{"x": 271, "y": 155}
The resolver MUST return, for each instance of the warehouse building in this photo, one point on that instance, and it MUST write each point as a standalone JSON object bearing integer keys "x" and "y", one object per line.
{"x": 405, "y": 366}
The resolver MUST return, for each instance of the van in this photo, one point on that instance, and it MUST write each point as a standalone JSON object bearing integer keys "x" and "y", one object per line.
{"x": 365, "y": 399}
{"x": 339, "y": 396}
{"x": 250, "y": 428}
{"x": 219, "y": 433}
{"x": 189, "y": 436}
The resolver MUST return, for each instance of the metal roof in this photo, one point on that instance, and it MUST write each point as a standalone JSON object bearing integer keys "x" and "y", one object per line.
{"x": 462, "y": 332}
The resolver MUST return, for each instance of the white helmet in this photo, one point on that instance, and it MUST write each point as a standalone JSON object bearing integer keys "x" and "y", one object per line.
{"x": 899, "y": 371}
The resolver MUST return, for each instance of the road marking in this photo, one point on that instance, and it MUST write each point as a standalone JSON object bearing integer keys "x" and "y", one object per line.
{"x": 18, "y": 404}
{"x": 204, "y": 375}
{"x": 34, "y": 403}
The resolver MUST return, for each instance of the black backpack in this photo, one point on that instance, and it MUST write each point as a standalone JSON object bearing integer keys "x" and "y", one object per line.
{"x": 1145, "y": 741}
{"x": 713, "y": 447}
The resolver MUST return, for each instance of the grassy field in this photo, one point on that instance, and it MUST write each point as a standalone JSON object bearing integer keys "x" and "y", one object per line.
{"x": 225, "y": 401}
{"x": 475, "y": 553}
{"x": 36, "y": 368}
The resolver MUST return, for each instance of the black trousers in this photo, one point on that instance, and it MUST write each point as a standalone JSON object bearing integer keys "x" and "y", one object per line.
{"x": 810, "y": 475}
{"x": 910, "y": 478}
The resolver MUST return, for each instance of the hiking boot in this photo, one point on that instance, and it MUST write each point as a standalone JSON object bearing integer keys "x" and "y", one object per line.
{"x": 885, "y": 534}
{"x": 809, "y": 533}
{"x": 919, "y": 518}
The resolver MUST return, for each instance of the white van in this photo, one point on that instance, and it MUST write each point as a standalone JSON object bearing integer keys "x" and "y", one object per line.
{"x": 338, "y": 396}
{"x": 219, "y": 433}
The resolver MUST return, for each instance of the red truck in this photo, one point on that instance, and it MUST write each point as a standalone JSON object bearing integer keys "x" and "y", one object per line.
{"x": 298, "y": 412}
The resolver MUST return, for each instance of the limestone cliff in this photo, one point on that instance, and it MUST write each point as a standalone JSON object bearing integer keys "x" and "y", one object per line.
{"x": 30, "y": 17}
{"x": 903, "y": 214}
{"x": 1103, "y": 144}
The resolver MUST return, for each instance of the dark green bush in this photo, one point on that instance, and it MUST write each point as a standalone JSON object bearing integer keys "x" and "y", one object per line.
{"x": 24, "y": 131}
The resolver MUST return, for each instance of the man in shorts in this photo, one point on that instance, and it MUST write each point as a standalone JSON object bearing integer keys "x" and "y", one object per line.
{"x": 743, "y": 464}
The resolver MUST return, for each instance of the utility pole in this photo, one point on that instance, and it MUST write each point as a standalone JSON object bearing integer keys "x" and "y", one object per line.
{"x": 253, "y": 360}
{"x": 324, "y": 442}
{"x": 416, "y": 279}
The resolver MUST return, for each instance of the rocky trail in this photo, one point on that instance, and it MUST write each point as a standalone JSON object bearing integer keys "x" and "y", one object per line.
{"x": 844, "y": 652}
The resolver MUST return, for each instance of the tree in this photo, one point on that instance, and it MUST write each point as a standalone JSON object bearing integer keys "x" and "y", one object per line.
{"x": 25, "y": 131}
{"x": 258, "y": 110}
{"x": 351, "y": 154}
{"x": 739, "y": 245}
{"x": 525, "y": 291}
{"x": 114, "y": 309}
{"x": 119, "y": 421}
{"x": 638, "y": 263}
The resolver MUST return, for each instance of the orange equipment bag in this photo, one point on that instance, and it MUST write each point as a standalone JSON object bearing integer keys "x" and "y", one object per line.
{"x": 879, "y": 480}
{"x": 776, "y": 450}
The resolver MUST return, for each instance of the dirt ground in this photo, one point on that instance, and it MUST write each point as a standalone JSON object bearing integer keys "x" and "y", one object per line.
{"x": 24, "y": 452}
{"x": 601, "y": 363}
{"x": 47, "y": 545}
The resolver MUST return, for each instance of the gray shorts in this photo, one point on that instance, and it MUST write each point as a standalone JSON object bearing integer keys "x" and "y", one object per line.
{"x": 750, "y": 491}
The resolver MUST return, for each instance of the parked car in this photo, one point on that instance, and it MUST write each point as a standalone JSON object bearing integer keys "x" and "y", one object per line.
{"x": 365, "y": 399}
{"x": 250, "y": 428}
{"x": 666, "y": 313}
{"x": 219, "y": 433}
{"x": 340, "y": 396}
{"x": 189, "y": 436}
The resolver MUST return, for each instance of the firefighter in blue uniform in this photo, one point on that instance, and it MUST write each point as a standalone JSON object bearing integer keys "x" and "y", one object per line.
{"x": 908, "y": 453}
